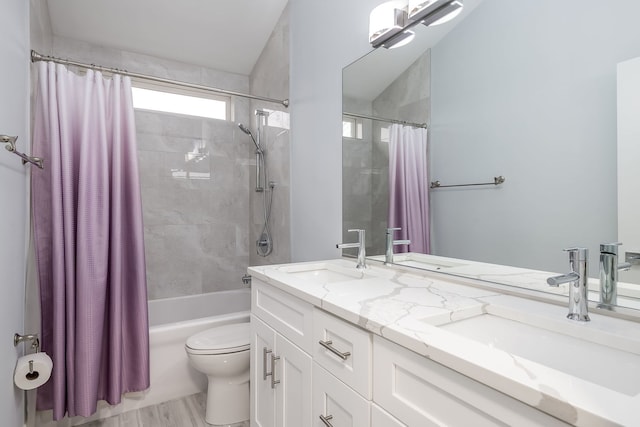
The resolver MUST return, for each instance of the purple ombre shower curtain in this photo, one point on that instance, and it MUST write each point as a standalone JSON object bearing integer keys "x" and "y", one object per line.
{"x": 408, "y": 191}
{"x": 87, "y": 220}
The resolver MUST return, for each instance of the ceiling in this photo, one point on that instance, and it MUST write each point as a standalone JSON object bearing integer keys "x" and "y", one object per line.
{"x": 226, "y": 35}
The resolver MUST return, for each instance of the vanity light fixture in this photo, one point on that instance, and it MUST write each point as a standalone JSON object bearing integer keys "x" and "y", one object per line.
{"x": 434, "y": 12}
{"x": 390, "y": 22}
{"x": 387, "y": 23}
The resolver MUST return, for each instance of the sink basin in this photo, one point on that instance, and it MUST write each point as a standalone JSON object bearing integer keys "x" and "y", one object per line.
{"x": 424, "y": 261}
{"x": 561, "y": 345}
{"x": 323, "y": 273}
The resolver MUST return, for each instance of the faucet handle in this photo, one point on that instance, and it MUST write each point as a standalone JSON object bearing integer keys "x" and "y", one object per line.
{"x": 577, "y": 254}
{"x": 360, "y": 232}
{"x": 611, "y": 248}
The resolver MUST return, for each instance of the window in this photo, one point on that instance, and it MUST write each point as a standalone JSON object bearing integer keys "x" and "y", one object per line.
{"x": 351, "y": 128}
{"x": 384, "y": 133}
{"x": 193, "y": 104}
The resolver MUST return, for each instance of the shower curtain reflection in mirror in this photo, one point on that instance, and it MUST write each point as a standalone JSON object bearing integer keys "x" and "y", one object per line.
{"x": 87, "y": 219}
{"x": 408, "y": 187}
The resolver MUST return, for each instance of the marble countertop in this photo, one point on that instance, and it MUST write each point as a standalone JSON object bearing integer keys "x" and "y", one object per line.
{"x": 411, "y": 307}
{"x": 519, "y": 277}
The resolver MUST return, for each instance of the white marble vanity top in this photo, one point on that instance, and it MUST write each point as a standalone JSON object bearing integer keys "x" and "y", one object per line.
{"x": 583, "y": 373}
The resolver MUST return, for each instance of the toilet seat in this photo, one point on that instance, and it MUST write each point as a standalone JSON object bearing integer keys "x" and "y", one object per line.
{"x": 221, "y": 340}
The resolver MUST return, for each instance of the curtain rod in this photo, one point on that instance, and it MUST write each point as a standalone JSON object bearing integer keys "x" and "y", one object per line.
{"x": 381, "y": 119}
{"x": 35, "y": 57}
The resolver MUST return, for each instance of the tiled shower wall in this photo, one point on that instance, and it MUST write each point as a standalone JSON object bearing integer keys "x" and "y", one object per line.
{"x": 270, "y": 78}
{"x": 196, "y": 213}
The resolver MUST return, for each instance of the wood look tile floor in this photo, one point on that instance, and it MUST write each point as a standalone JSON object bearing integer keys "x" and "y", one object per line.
{"x": 186, "y": 412}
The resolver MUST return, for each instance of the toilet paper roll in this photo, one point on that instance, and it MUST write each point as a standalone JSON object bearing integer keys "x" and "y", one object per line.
{"x": 32, "y": 370}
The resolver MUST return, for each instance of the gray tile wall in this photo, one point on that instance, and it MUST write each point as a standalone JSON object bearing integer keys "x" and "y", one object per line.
{"x": 357, "y": 181}
{"x": 270, "y": 78}
{"x": 196, "y": 230}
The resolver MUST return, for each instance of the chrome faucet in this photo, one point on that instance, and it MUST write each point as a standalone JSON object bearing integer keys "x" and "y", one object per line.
{"x": 578, "y": 277}
{"x": 360, "y": 244}
{"x": 609, "y": 268}
{"x": 388, "y": 257}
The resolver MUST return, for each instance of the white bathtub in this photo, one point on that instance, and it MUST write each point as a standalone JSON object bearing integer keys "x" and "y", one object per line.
{"x": 172, "y": 321}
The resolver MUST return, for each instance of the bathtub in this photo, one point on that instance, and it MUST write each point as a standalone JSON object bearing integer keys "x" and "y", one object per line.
{"x": 171, "y": 322}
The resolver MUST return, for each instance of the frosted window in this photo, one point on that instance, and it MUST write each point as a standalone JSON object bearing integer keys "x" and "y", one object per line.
{"x": 147, "y": 99}
{"x": 351, "y": 128}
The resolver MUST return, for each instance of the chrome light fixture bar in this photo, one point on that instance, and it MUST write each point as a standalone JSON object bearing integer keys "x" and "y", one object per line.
{"x": 434, "y": 12}
{"x": 390, "y": 22}
{"x": 387, "y": 22}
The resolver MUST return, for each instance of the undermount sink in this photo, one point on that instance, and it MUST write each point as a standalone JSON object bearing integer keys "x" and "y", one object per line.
{"x": 561, "y": 345}
{"x": 423, "y": 261}
{"x": 428, "y": 262}
{"x": 323, "y": 272}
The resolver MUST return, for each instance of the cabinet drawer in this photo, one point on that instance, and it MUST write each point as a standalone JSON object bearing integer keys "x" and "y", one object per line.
{"x": 381, "y": 418}
{"x": 420, "y": 392}
{"x": 338, "y": 404}
{"x": 288, "y": 315}
{"x": 345, "y": 352}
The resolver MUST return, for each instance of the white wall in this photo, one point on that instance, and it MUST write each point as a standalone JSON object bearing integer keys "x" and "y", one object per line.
{"x": 536, "y": 104}
{"x": 325, "y": 37}
{"x": 14, "y": 51}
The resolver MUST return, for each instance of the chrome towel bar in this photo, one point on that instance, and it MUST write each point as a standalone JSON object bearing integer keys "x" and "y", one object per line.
{"x": 11, "y": 147}
{"x": 497, "y": 180}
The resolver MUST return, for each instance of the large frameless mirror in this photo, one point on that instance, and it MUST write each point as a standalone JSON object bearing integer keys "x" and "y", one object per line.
{"x": 527, "y": 98}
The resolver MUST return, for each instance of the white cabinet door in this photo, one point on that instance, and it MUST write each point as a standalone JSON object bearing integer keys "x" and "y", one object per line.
{"x": 262, "y": 393}
{"x": 292, "y": 369}
{"x": 288, "y": 315}
{"x": 344, "y": 350}
{"x": 421, "y": 392}
{"x": 381, "y": 418}
{"x": 335, "y": 404}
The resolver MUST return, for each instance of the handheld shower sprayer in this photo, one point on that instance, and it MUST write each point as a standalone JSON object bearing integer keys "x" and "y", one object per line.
{"x": 246, "y": 130}
{"x": 264, "y": 244}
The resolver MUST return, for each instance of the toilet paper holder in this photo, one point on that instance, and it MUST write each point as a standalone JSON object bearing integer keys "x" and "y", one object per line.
{"x": 35, "y": 341}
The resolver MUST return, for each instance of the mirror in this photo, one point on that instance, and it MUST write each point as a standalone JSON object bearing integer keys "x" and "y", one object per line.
{"x": 524, "y": 91}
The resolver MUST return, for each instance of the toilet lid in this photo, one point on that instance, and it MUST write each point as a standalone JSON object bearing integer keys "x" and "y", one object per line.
{"x": 221, "y": 339}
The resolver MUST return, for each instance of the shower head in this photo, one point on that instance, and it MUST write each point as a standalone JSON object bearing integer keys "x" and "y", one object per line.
{"x": 246, "y": 130}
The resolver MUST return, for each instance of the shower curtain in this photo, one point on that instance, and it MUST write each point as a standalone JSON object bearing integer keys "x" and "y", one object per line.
{"x": 87, "y": 220}
{"x": 408, "y": 191}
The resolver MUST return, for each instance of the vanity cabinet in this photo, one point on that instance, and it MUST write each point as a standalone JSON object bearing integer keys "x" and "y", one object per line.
{"x": 344, "y": 350}
{"x": 311, "y": 368}
{"x": 381, "y": 418}
{"x": 335, "y": 404}
{"x": 280, "y": 369}
{"x": 421, "y": 392}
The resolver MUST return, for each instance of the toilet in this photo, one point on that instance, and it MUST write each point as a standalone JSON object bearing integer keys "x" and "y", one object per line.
{"x": 222, "y": 354}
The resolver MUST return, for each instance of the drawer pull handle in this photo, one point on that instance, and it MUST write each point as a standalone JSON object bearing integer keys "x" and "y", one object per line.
{"x": 326, "y": 420}
{"x": 273, "y": 370}
{"x": 328, "y": 345}
{"x": 265, "y": 374}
